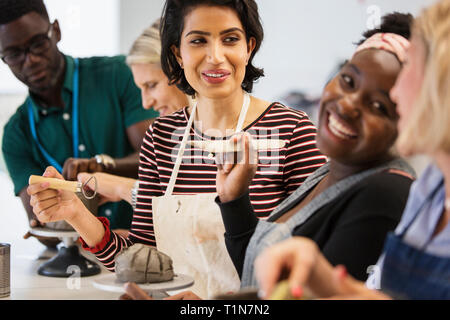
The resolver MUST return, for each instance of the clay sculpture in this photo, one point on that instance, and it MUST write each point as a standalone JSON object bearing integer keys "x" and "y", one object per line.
{"x": 143, "y": 264}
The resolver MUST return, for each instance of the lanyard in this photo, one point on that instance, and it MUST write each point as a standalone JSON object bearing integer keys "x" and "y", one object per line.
{"x": 75, "y": 128}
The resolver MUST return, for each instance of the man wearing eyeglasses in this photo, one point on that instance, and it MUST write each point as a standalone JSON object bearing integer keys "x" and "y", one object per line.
{"x": 81, "y": 115}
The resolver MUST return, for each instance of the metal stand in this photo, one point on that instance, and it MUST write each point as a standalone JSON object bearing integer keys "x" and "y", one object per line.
{"x": 68, "y": 261}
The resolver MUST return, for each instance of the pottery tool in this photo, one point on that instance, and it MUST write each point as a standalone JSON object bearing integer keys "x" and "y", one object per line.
{"x": 72, "y": 186}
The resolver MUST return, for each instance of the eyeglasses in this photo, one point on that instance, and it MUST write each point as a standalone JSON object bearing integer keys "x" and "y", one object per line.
{"x": 40, "y": 45}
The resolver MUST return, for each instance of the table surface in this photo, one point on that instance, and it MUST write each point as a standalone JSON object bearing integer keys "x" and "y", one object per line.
{"x": 26, "y": 284}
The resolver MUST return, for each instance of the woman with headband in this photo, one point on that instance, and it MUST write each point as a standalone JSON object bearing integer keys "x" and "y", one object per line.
{"x": 415, "y": 262}
{"x": 348, "y": 205}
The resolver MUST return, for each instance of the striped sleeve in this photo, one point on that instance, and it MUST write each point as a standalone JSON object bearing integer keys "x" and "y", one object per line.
{"x": 149, "y": 186}
{"x": 302, "y": 155}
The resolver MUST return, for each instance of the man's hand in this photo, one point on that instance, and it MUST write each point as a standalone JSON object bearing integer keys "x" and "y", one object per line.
{"x": 73, "y": 166}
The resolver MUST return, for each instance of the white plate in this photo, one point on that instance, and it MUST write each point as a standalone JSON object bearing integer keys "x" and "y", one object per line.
{"x": 110, "y": 283}
{"x": 45, "y": 232}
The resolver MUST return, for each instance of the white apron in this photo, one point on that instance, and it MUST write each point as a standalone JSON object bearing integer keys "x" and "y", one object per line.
{"x": 189, "y": 228}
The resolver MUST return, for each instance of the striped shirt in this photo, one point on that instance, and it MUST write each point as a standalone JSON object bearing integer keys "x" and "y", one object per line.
{"x": 279, "y": 172}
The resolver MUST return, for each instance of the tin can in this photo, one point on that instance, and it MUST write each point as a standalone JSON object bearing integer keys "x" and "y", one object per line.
{"x": 5, "y": 266}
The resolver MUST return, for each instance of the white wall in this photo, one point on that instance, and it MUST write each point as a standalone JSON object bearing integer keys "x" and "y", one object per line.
{"x": 304, "y": 39}
{"x": 135, "y": 16}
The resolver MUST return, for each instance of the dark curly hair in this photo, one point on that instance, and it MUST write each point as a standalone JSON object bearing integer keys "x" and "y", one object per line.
{"x": 11, "y": 10}
{"x": 396, "y": 22}
{"x": 172, "y": 24}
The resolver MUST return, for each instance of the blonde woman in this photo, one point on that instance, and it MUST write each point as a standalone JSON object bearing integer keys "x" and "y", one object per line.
{"x": 415, "y": 263}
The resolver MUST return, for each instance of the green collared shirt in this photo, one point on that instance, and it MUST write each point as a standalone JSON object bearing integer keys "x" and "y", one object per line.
{"x": 109, "y": 102}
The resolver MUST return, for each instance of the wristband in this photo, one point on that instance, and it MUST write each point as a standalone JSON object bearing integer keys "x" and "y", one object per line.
{"x": 107, "y": 161}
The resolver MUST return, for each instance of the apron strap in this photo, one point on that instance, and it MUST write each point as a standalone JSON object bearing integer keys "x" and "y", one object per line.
{"x": 243, "y": 113}
{"x": 173, "y": 177}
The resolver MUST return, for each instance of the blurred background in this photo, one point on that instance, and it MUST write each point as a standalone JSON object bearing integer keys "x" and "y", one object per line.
{"x": 305, "y": 41}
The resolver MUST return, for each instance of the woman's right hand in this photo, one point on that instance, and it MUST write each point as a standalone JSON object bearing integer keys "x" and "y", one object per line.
{"x": 295, "y": 258}
{"x": 53, "y": 205}
{"x": 234, "y": 175}
{"x": 300, "y": 261}
{"x": 111, "y": 188}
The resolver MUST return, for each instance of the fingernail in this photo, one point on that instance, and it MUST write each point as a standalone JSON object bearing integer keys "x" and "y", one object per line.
{"x": 45, "y": 184}
{"x": 297, "y": 292}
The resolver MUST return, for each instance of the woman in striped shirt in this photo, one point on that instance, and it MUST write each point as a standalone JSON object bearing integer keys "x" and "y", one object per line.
{"x": 211, "y": 59}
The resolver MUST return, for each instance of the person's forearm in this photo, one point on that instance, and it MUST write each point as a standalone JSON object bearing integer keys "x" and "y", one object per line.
{"x": 126, "y": 167}
{"x": 88, "y": 227}
{"x": 240, "y": 222}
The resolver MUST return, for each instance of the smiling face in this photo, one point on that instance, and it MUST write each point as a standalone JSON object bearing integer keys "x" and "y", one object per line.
{"x": 38, "y": 72}
{"x": 214, "y": 51}
{"x": 357, "y": 119}
{"x": 155, "y": 90}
